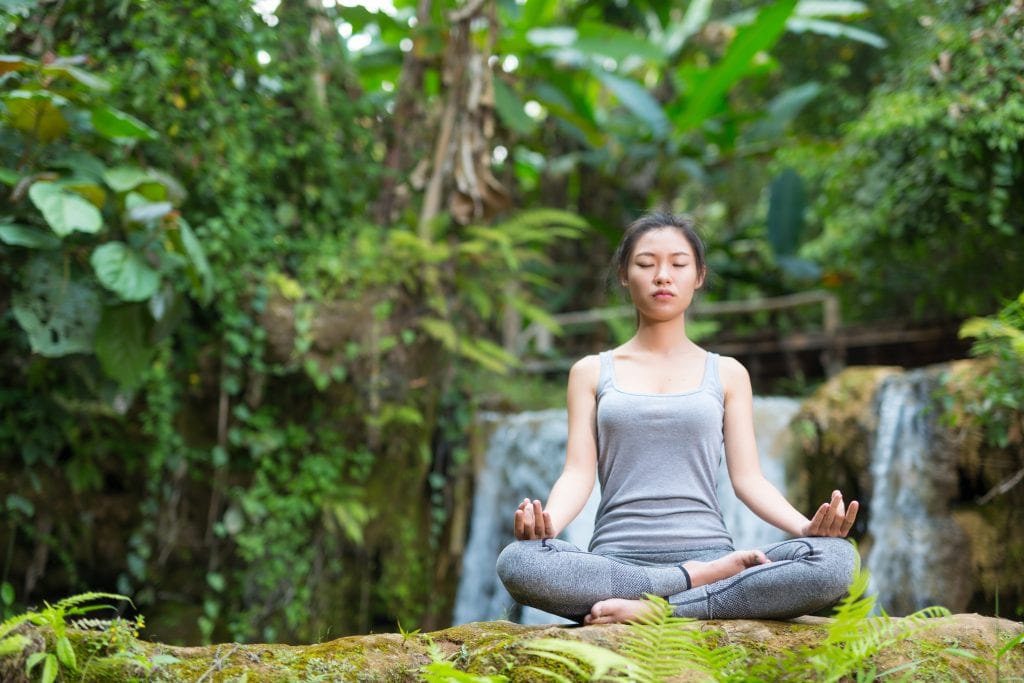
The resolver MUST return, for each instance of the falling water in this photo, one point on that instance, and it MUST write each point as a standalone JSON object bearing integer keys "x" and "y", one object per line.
{"x": 917, "y": 556}
{"x": 523, "y": 458}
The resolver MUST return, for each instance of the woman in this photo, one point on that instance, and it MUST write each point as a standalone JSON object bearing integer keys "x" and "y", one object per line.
{"x": 650, "y": 419}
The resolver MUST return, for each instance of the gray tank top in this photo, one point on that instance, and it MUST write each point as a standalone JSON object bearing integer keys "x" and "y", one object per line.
{"x": 658, "y": 462}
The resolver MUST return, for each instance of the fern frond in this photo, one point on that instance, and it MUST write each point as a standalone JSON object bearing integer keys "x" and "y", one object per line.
{"x": 75, "y": 600}
{"x": 601, "y": 661}
{"x": 91, "y": 624}
{"x": 855, "y": 635}
{"x": 14, "y": 622}
{"x": 661, "y": 646}
{"x": 542, "y": 219}
{"x": 1010, "y": 645}
{"x": 852, "y": 611}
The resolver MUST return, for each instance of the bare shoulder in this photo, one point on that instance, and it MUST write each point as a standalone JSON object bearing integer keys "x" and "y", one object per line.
{"x": 585, "y": 372}
{"x": 734, "y": 375}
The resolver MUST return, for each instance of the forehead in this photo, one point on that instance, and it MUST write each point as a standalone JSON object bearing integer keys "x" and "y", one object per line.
{"x": 666, "y": 240}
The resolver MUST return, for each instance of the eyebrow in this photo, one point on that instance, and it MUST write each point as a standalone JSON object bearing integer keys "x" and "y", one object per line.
{"x": 651, "y": 253}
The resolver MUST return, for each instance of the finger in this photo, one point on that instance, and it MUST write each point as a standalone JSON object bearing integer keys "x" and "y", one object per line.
{"x": 838, "y": 514}
{"x": 839, "y": 504}
{"x": 525, "y": 513}
{"x": 815, "y": 527}
{"x": 538, "y": 518}
{"x": 549, "y": 526}
{"x": 828, "y": 517}
{"x": 519, "y": 526}
{"x": 851, "y": 517}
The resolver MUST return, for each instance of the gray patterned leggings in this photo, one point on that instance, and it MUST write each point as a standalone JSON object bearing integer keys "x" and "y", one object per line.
{"x": 804, "y": 576}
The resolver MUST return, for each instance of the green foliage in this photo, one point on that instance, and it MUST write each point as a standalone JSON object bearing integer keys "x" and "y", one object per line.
{"x": 854, "y": 637}
{"x": 996, "y": 401}
{"x": 441, "y": 670}
{"x": 116, "y": 642}
{"x": 661, "y": 646}
{"x": 88, "y": 209}
{"x": 285, "y": 379}
{"x": 56, "y": 618}
{"x": 917, "y": 213}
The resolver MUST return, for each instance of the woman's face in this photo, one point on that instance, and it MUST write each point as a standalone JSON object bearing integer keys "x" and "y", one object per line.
{"x": 662, "y": 274}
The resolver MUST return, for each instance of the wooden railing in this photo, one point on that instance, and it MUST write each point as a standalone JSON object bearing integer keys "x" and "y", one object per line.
{"x": 827, "y": 339}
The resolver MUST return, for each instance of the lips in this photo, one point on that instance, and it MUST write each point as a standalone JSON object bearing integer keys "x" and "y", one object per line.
{"x": 663, "y": 294}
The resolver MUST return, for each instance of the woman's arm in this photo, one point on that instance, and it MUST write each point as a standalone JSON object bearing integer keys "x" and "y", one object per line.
{"x": 760, "y": 495}
{"x": 572, "y": 489}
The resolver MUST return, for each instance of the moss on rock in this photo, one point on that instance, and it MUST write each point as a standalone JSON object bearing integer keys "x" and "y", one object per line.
{"x": 961, "y": 647}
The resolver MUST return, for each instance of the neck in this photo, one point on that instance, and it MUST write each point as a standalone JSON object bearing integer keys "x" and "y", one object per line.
{"x": 663, "y": 337}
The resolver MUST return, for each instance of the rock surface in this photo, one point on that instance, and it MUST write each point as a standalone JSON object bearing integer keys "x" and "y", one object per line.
{"x": 962, "y": 647}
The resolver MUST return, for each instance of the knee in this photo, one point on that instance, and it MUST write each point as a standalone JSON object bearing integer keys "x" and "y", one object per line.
{"x": 513, "y": 565}
{"x": 842, "y": 559}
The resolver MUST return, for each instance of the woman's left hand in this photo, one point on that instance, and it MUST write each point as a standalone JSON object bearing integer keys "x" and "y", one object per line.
{"x": 833, "y": 518}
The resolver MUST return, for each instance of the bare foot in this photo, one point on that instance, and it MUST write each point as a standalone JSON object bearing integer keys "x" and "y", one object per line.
{"x": 703, "y": 573}
{"x": 617, "y": 611}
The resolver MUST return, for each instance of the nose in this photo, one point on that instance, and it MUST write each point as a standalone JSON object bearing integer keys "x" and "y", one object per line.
{"x": 662, "y": 274}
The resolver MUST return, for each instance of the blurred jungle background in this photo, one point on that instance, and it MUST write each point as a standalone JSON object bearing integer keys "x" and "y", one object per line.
{"x": 263, "y": 264}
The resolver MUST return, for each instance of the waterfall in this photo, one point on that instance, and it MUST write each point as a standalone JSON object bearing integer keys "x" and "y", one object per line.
{"x": 523, "y": 458}
{"x": 917, "y": 556}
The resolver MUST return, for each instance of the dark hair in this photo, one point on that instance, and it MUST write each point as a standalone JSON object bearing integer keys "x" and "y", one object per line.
{"x": 684, "y": 223}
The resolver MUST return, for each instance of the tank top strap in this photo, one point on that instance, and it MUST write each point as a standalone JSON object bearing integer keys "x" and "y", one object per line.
{"x": 606, "y": 376}
{"x": 712, "y": 379}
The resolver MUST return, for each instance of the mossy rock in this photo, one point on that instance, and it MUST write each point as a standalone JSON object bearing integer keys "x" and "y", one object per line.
{"x": 961, "y": 647}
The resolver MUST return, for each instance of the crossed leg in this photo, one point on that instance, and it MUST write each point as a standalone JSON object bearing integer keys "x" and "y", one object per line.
{"x": 559, "y": 578}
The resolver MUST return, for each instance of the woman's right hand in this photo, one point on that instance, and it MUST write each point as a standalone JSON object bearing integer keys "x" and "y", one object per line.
{"x": 532, "y": 522}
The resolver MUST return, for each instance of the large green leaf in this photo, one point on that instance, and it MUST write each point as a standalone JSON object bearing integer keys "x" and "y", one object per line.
{"x": 65, "y": 212}
{"x": 15, "y": 63}
{"x": 750, "y": 40}
{"x": 25, "y": 236}
{"x": 605, "y": 40}
{"x": 574, "y": 111}
{"x": 830, "y": 8}
{"x": 122, "y": 343}
{"x": 510, "y": 109}
{"x": 638, "y": 100}
{"x": 37, "y": 113}
{"x": 58, "y": 314}
{"x": 95, "y": 194}
{"x": 124, "y": 271}
{"x": 782, "y": 109}
{"x": 786, "y": 212}
{"x": 697, "y": 13}
{"x": 834, "y": 29}
{"x": 116, "y": 125}
{"x": 63, "y": 68}
{"x": 199, "y": 270}
{"x": 125, "y": 178}
{"x": 552, "y": 36}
